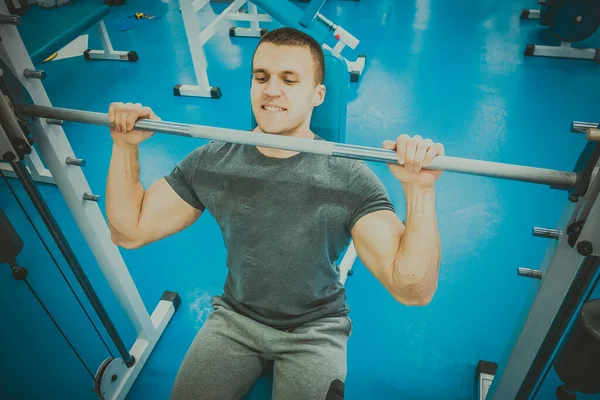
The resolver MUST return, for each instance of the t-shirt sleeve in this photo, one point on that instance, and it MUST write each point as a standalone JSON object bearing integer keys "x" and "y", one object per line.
{"x": 366, "y": 193}
{"x": 181, "y": 179}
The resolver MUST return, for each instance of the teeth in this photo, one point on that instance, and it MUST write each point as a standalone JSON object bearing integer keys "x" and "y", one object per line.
{"x": 270, "y": 108}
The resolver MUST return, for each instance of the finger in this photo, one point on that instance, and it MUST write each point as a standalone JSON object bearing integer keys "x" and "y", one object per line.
{"x": 122, "y": 119}
{"x": 118, "y": 113}
{"x": 422, "y": 147}
{"x": 144, "y": 112}
{"x": 132, "y": 118}
{"x": 411, "y": 150}
{"x": 116, "y": 125}
{"x": 429, "y": 156}
{"x": 389, "y": 144}
{"x": 435, "y": 150}
{"x": 401, "y": 148}
{"x": 134, "y": 114}
{"x": 148, "y": 113}
{"x": 440, "y": 148}
{"x": 111, "y": 113}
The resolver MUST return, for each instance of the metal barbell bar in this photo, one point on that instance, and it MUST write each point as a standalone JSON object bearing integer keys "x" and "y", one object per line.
{"x": 582, "y": 127}
{"x": 554, "y": 178}
{"x": 590, "y": 129}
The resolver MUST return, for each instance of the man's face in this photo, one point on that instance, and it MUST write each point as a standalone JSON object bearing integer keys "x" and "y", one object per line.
{"x": 283, "y": 91}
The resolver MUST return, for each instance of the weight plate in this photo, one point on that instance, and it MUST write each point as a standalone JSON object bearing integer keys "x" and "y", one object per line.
{"x": 574, "y": 20}
{"x": 109, "y": 377}
{"x": 98, "y": 377}
{"x": 112, "y": 377}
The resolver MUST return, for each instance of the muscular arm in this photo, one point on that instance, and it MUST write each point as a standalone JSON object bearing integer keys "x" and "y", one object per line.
{"x": 404, "y": 258}
{"x": 136, "y": 216}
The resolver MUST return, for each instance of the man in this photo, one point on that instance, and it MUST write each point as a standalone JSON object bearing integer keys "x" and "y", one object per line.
{"x": 286, "y": 217}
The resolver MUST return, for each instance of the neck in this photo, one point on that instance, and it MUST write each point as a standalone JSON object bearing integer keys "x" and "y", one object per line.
{"x": 301, "y": 132}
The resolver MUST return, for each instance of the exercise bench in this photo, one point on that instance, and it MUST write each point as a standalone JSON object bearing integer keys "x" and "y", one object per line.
{"x": 47, "y": 30}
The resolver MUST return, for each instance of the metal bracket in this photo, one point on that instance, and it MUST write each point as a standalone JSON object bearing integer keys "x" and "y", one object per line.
{"x": 17, "y": 146}
{"x": 586, "y": 163}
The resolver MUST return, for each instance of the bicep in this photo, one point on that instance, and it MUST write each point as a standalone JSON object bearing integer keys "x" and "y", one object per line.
{"x": 164, "y": 212}
{"x": 376, "y": 238}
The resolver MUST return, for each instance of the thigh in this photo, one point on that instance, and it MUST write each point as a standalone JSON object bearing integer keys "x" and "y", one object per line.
{"x": 220, "y": 364}
{"x": 314, "y": 362}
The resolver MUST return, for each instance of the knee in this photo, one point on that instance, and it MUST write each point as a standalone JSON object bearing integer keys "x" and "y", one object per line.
{"x": 336, "y": 390}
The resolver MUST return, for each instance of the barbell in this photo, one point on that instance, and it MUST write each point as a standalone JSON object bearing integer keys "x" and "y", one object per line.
{"x": 555, "y": 178}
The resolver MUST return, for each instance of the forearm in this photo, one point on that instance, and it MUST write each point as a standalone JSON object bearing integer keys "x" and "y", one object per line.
{"x": 124, "y": 191}
{"x": 416, "y": 266}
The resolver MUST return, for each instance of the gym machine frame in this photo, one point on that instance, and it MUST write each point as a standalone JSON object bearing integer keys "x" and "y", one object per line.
{"x": 34, "y": 165}
{"x": 57, "y": 154}
{"x": 236, "y": 12}
{"x": 566, "y": 275}
{"x": 545, "y": 15}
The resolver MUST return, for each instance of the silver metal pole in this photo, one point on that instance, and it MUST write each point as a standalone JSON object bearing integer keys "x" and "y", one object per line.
{"x": 547, "y": 233}
{"x": 326, "y": 21}
{"x": 530, "y": 273}
{"x": 554, "y": 178}
{"x": 582, "y": 127}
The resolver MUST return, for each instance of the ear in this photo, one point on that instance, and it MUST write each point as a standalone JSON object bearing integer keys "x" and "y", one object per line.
{"x": 319, "y": 97}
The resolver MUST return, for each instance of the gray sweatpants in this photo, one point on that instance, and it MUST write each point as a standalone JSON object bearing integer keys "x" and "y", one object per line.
{"x": 230, "y": 352}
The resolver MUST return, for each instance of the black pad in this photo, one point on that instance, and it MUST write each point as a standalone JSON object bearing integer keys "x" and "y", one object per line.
{"x": 10, "y": 242}
{"x": 578, "y": 360}
{"x": 173, "y": 297}
{"x": 336, "y": 390}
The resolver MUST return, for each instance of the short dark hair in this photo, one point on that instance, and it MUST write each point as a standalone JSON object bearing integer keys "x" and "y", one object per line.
{"x": 293, "y": 37}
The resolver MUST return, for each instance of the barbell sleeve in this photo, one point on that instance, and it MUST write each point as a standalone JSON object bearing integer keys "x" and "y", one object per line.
{"x": 582, "y": 127}
{"x": 555, "y": 178}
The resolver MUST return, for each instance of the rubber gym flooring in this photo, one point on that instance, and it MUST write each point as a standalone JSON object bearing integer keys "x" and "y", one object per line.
{"x": 451, "y": 71}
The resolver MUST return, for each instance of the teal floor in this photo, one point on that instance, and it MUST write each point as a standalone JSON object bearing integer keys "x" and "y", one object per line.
{"x": 451, "y": 71}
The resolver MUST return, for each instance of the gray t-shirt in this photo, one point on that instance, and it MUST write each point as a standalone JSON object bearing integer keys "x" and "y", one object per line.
{"x": 285, "y": 223}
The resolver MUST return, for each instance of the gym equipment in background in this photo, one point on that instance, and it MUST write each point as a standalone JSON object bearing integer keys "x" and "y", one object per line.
{"x": 578, "y": 361}
{"x": 567, "y": 277}
{"x": 60, "y": 26}
{"x": 310, "y": 21}
{"x": 64, "y": 168}
{"x": 570, "y": 21}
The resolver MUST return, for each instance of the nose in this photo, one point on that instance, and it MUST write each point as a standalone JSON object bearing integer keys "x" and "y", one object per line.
{"x": 273, "y": 87}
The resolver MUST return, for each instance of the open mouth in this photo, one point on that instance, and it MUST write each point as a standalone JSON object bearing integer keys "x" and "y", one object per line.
{"x": 270, "y": 107}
